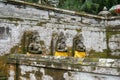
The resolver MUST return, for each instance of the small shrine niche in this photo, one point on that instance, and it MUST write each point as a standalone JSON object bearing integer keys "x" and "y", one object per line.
{"x": 61, "y": 43}
{"x": 60, "y": 47}
{"x": 79, "y": 49}
{"x": 31, "y": 43}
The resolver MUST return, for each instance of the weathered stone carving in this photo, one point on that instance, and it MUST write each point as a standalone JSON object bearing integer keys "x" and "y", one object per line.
{"x": 78, "y": 46}
{"x": 61, "y": 47}
{"x": 35, "y": 47}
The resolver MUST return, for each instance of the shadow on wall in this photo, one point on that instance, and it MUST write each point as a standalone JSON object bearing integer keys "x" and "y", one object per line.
{"x": 4, "y": 33}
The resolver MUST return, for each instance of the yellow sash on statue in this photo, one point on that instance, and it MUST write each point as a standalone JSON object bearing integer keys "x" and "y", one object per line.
{"x": 79, "y": 54}
{"x": 64, "y": 54}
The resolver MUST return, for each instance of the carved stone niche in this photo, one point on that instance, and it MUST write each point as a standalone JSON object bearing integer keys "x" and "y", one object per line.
{"x": 4, "y": 33}
{"x": 78, "y": 45}
{"x": 31, "y": 42}
{"x": 58, "y": 44}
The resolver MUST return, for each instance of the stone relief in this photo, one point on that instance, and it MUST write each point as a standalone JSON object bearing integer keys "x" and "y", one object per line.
{"x": 32, "y": 42}
{"x": 60, "y": 48}
{"x": 61, "y": 45}
{"x": 34, "y": 46}
{"x": 78, "y": 46}
{"x": 78, "y": 43}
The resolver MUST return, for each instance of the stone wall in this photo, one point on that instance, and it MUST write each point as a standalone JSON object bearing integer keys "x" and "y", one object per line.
{"x": 101, "y": 35}
{"x": 36, "y": 67}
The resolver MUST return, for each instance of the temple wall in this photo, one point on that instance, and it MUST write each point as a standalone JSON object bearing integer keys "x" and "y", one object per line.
{"x": 100, "y": 35}
{"x": 25, "y": 67}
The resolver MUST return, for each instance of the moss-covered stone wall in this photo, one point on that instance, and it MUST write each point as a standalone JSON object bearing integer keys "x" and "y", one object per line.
{"x": 36, "y": 67}
{"x": 101, "y": 35}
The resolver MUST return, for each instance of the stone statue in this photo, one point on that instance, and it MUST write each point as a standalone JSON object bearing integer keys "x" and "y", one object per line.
{"x": 35, "y": 47}
{"x": 78, "y": 41}
{"x": 61, "y": 47}
{"x": 78, "y": 46}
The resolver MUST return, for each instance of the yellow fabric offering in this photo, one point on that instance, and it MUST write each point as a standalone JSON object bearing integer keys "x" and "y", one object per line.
{"x": 64, "y": 54}
{"x": 79, "y": 54}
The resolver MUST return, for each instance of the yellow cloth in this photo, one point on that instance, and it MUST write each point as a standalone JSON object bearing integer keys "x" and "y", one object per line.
{"x": 28, "y": 53}
{"x": 65, "y": 54}
{"x": 79, "y": 54}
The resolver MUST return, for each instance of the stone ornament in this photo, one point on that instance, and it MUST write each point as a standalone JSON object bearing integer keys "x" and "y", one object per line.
{"x": 104, "y": 13}
{"x": 35, "y": 47}
{"x": 61, "y": 47}
{"x": 78, "y": 46}
{"x": 61, "y": 43}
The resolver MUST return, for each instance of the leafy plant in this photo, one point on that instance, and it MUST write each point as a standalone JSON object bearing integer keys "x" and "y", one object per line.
{"x": 88, "y": 6}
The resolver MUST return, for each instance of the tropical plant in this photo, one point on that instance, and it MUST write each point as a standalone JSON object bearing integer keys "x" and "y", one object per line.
{"x": 88, "y": 6}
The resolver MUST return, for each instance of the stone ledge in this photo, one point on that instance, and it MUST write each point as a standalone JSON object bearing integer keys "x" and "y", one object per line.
{"x": 10, "y": 17}
{"x": 92, "y": 65}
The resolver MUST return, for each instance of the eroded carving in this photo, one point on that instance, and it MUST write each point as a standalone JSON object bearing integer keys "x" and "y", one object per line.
{"x": 61, "y": 47}
{"x": 35, "y": 47}
{"x": 78, "y": 46}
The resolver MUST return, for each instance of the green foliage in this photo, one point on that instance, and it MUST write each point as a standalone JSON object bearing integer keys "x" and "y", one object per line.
{"x": 94, "y": 54}
{"x": 3, "y": 67}
{"x": 34, "y": 1}
{"x": 89, "y": 6}
{"x": 70, "y": 5}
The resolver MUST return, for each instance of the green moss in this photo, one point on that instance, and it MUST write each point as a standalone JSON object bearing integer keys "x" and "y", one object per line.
{"x": 114, "y": 57}
{"x": 13, "y": 49}
{"x": 54, "y": 34}
{"x": 41, "y": 23}
{"x": 78, "y": 30}
{"x": 112, "y": 31}
{"x": 16, "y": 24}
{"x": 109, "y": 33}
{"x": 66, "y": 29}
{"x": 3, "y": 66}
{"x": 42, "y": 42}
{"x": 66, "y": 22}
{"x": 104, "y": 54}
{"x": 70, "y": 51}
{"x": 55, "y": 73}
{"x": 14, "y": 19}
{"x": 94, "y": 54}
{"x": 58, "y": 22}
